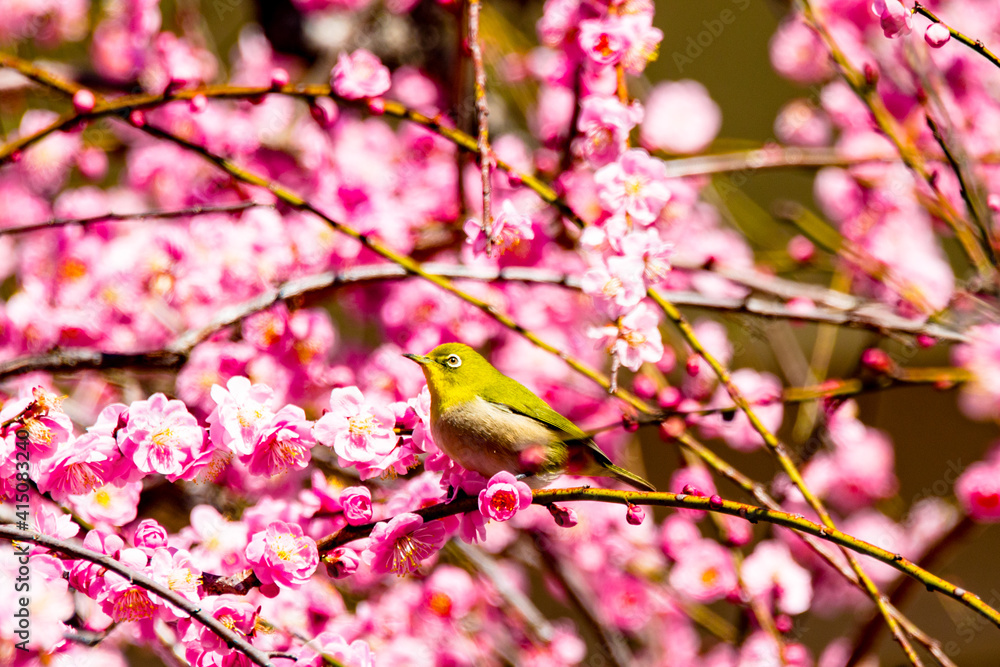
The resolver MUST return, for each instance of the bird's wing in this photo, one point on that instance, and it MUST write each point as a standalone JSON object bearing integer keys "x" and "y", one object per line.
{"x": 513, "y": 396}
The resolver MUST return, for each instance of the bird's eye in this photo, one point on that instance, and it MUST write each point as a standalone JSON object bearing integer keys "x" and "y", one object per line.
{"x": 453, "y": 360}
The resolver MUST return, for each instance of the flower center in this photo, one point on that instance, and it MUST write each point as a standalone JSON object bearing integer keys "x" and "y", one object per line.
{"x": 163, "y": 439}
{"x": 361, "y": 425}
{"x": 503, "y": 502}
{"x": 132, "y": 605}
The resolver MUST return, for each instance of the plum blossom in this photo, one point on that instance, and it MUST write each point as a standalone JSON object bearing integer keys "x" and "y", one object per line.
{"x": 937, "y": 35}
{"x": 161, "y": 436}
{"x": 978, "y": 491}
{"x": 357, "y": 504}
{"x": 341, "y": 562}
{"x": 704, "y": 571}
{"x": 328, "y": 646}
{"x": 205, "y": 648}
{"x": 282, "y": 557}
{"x": 359, "y": 432}
{"x": 604, "y": 40}
{"x": 78, "y": 467}
{"x": 635, "y": 340}
{"x": 770, "y": 572}
{"x": 504, "y": 496}
{"x": 635, "y": 184}
{"x": 980, "y": 356}
{"x": 240, "y": 414}
{"x": 360, "y": 74}
{"x": 616, "y": 285}
{"x": 402, "y": 543}
{"x": 680, "y": 118}
{"x": 604, "y": 125}
{"x": 895, "y": 18}
{"x": 282, "y": 444}
{"x": 507, "y": 230}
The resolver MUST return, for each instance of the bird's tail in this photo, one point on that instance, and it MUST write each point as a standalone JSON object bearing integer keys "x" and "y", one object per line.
{"x": 625, "y": 476}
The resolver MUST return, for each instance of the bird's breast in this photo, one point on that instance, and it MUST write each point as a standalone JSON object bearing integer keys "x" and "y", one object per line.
{"x": 487, "y": 438}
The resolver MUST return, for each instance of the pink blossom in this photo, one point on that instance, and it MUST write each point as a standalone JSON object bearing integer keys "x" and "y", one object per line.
{"x": 241, "y": 412}
{"x": 450, "y": 592}
{"x": 341, "y": 562}
{"x": 604, "y": 125}
{"x": 677, "y": 534}
{"x": 636, "y": 184}
{"x": 360, "y": 74}
{"x": 980, "y": 397}
{"x": 123, "y": 600}
{"x": 646, "y": 246}
{"x": 635, "y": 340}
{"x": 112, "y": 504}
{"x": 799, "y": 54}
{"x": 50, "y": 520}
{"x": 937, "y": 35}
{"x": 205, "y": 648}
{"x": 78, "y": 467}
{"x": 175, "y": 571}
{"x": 149, "y": 535}
{"x": 895, "y": 18}
{"x": 858, "y": 469}
{"x": 358, "y": 431}
{"x": 282, "y": 444}
{"x": 763, "y": 392}
{"x": 402, "y": 543}
{"x": 771, "y": 573}
{"x": 49, "y": 605}
{"x": 704, "y": 571}
{"x": 644, "y": 41}
{"x": 282, "y": 557}
{"x": 507, "y": 230}
{"x": 625, "y": 601}
{"x": 504, "y": 496}
{"x": 978, "y": 490}
{"x": 328, "y": 646}
{"x": 635, "y": 515}
{"x": 616, "y": 285}
{"x": 217, "y": 544}
{"x": 604, "y": 40}
{"x": 161, "y": 436}
{"x": 357, "y": 504}
{"x": 680, "y": 118}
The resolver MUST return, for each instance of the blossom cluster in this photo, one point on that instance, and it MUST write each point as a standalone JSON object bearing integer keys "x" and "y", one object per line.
{"x": 282, "y": 475}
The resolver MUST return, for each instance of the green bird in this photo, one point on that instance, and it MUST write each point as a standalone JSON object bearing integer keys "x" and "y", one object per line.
{"x": 488, "y": 422}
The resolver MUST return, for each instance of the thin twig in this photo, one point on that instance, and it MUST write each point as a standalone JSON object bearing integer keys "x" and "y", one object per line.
{"x": 482, "y": 122}
{"x": 974, "y": 44}
{"x": 778, "y": 450}
{"x": 751, "y": 513}
{"x": 147, "y": 215}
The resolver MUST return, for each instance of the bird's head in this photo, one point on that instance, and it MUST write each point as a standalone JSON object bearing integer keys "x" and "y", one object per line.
{"x": 454, "y": 372}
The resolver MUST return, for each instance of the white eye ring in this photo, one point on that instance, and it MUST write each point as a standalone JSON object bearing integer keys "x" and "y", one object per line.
{"x": 453, "y": 361}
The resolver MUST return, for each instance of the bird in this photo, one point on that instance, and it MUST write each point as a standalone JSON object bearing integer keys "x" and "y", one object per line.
{"x": 488, "y": 422}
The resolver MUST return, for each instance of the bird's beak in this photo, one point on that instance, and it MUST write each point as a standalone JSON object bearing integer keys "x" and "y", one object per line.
{"x": 420, "y": 359}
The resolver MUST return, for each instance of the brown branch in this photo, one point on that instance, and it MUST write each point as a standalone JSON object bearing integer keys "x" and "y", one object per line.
{"x": 147, "y": 215}
{"x": 482, "y": 121}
